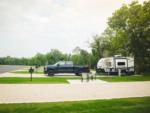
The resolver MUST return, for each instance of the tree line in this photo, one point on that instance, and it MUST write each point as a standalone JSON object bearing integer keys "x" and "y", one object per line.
{"x": 79, "y": 57}
{"x": 127, "y": 34}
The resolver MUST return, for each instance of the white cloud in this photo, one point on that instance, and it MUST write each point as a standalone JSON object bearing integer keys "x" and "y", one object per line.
{"x": 30, "y": 26}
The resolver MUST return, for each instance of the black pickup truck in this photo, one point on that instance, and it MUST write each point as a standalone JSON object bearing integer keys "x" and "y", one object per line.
{"x": 65, "y": 67}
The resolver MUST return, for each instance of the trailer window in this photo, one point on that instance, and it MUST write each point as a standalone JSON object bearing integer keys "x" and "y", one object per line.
{"x": 121, "y": 63}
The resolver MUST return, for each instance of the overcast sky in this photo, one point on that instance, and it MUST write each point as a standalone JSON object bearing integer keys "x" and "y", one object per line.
{"x": 31, "y": 26}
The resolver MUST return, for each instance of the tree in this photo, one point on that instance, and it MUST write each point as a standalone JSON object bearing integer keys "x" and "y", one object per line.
{"x": 131, "y": 25}
{"x": 99, "y": 45}
{"x": 55, "y": 55}
{"x": 39, "y": 59}
{"x": 80, "y": 56}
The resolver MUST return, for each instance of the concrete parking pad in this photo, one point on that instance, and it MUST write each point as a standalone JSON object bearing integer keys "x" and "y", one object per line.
{"x": 28, "y": 93}
{"x": 87, "y": 82}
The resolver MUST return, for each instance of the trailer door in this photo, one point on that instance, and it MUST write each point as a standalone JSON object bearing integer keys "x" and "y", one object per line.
{"x": 121, "y": 63}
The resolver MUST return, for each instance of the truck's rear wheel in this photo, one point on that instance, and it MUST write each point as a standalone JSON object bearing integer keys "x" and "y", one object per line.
{"x": 50, "y": 74}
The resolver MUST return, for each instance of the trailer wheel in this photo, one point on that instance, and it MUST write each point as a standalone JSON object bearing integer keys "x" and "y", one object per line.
{"x": 78, "y": 74}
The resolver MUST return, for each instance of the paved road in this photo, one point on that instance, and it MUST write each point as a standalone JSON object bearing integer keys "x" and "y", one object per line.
{"x": 8, "y": 68}
{"x": 27, "y": 93}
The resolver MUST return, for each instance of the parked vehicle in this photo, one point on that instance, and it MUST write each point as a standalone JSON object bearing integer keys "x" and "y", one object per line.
{"x": 111, "y": 65}
{"x": 65, "y": 67}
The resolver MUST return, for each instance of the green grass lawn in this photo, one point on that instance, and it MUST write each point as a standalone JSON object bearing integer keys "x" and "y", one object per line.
{"x": 127, "y": 105}
{"x": 63, "y": 79}
{"x": 23, "y": 80}
{"x": 125, "y": 78}
{"x": 26, "y": 72}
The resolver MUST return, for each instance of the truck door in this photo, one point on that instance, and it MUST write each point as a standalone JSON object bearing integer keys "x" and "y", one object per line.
{"x": 61, "y": 67}
{"x": 69, "y": 67}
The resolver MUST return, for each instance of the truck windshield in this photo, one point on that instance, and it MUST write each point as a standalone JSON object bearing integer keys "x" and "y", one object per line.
{"x": 60, "y": 63}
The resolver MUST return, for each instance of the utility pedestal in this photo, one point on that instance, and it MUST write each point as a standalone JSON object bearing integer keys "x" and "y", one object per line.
{"x": 119, "y": 72}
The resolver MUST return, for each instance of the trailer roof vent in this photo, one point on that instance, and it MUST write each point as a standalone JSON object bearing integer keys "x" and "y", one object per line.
{"x": 117, "y": 55}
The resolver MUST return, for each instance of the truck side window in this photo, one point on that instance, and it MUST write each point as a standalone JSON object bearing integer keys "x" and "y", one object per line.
{"x": 61, "y": 63}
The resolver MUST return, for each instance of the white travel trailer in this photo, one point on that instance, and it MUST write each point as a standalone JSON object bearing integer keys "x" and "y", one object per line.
{"x": 112, "y": 65}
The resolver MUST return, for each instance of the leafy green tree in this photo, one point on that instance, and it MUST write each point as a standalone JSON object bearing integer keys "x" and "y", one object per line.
{"x": 39, "y": 59}
{"x": 55, "y": 55}
{"x": 81, "y": 57}
{"x": 131, "y": 25}
{"x": 99, "y": 45}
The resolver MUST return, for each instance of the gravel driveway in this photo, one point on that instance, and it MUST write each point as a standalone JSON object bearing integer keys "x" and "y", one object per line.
{"x": 27, "y": 93}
